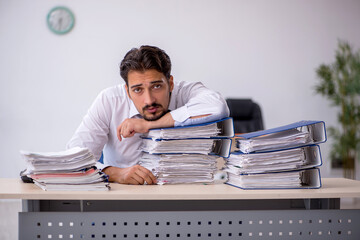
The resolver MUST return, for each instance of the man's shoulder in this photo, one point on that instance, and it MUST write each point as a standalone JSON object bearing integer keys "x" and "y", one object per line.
{"x": 185, "y": 85}
{"x": 117, "y": 91}
{"x": 113, "y": 96}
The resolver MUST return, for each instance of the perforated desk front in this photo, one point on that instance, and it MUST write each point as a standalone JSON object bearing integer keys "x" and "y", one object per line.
{"x": 186, "y": 212}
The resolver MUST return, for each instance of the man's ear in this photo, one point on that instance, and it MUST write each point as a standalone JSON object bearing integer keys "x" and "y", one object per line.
{"x": 171, "y": 83}
{"x": 127, "y": 90}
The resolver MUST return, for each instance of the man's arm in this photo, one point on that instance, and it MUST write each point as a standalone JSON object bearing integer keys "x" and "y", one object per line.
{"x": 131, "y": 126}
{"x": 134, "y": 125}
{"x": 198, "y": 104}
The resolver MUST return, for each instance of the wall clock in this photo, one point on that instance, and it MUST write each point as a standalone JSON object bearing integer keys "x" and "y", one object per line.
{"x": 60, "y": 20}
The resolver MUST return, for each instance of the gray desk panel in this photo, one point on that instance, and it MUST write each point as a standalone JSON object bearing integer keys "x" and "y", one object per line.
{"x": 246, "y": 224}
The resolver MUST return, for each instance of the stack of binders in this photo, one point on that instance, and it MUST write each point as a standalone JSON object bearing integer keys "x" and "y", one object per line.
{"x": 186, "y": 154}
{"x": 73, "y": 169}
{"x": 280, "y": 158}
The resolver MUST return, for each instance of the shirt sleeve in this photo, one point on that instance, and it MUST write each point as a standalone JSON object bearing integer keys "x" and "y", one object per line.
{"x": 194, "y": 99}
{"x": 94, "y": 128}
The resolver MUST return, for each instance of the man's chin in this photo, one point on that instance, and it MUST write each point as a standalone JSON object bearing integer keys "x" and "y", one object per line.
{"x": 154, "y": 117}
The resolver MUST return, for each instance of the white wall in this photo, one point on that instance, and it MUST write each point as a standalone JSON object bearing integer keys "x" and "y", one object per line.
{"x": 266, "y": 50}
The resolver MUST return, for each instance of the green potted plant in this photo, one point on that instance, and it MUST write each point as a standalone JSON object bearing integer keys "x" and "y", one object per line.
{"x": 340, "y": 83}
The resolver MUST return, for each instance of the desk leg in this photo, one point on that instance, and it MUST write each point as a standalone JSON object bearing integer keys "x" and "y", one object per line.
{"x": 31, "y": 205}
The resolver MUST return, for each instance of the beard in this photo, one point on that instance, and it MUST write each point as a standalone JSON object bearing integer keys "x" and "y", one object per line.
{"x": 154, "y": 116}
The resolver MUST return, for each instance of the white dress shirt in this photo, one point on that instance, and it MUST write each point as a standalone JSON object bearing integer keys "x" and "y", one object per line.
{"x": 112, "y": 106}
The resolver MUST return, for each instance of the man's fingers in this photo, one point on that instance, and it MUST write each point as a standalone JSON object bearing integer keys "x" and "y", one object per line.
{"x": 123, "y": 131}
{"x": 132, "y": 181}
{"x": 135, "y": 179}
{"x": 146, "y": 175}
{"x": 118, "y": 132}
{"x": 129, "y": 127}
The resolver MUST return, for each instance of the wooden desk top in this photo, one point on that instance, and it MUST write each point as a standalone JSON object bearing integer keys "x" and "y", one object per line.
{"x": 332, "y": 188}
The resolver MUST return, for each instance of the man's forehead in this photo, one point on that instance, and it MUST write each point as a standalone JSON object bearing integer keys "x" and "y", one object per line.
{"x": 145, "y": 77}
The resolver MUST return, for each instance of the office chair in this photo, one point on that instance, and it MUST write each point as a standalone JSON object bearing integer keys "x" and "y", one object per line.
{"x": 246, "y": 115}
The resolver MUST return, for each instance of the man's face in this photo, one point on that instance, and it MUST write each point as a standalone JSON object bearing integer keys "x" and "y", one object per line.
{"x": 150, "y": 92}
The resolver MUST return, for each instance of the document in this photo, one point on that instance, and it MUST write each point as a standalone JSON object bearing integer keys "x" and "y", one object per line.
{"x": 284, "y": 157}
{"x": 223, "y": 128}
{"x": 293, "y": 135}
{"x": 307, "y": 178}
{"x": 73, "y": 169}
{"x": 205, "y": 146}
{"x": 186, "y": 154}
{"x": 290, "y": 159}
{"x": 180, "y": 168}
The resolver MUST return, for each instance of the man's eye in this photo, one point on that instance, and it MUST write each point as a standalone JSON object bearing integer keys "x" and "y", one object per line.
{"x": 157, "y": 86}
{"x": 137, "y": 90}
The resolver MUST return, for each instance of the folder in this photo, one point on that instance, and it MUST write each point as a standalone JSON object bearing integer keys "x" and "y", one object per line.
{"x": 223, "y": 128}
{"x": 274, "y": 161}
{"x": 303, "y": 179}
{"x": 219, "y": 147}
{"x": 303, "y": 133}
{"x": 186, "y": 154}
{"x": 180, "y": 168}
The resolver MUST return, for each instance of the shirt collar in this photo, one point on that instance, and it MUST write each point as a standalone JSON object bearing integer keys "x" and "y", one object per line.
{"x": 133, "y": 111}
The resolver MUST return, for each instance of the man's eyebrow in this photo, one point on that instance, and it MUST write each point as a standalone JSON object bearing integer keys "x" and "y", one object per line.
{"x": 137, "y": 85}
{"x": 157, "y": 81}
{"x": 152, "y": 82}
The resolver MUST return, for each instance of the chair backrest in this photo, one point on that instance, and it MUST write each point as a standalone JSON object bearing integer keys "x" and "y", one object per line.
{"x": 246, "y": 115}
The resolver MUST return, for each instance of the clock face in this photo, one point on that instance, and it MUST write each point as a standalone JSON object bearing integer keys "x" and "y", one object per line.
{"x": 60, "y": 20}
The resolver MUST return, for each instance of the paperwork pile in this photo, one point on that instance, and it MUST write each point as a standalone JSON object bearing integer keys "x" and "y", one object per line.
{"x": 201, "y": 131}
{"x": 292, "y": 137}
{"x": 197, "y": 146}
{"x": 186, "y": 154}
{"x": 73, "y": 169}
{"x": 301, "y": 157}
{"x": 180, "y": 168}
{"x": 283, "y": 157}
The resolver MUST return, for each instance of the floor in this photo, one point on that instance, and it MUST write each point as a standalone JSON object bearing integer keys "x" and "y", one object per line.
{"x": 10, "y": 208}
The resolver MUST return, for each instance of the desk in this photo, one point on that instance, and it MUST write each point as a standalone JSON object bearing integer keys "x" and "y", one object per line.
{"x": 197, "y": 211}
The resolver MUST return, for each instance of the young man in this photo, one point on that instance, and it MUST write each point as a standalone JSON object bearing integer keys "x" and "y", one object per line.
{"x": 148, "y": 99}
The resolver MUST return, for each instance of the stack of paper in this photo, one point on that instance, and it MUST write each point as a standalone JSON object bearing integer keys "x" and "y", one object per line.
{"x": 203, "y": 131}
{"x": 283, "y": 157}
{"x": 73, "y": 169}
{"x": 297, "y": 134}
{"x": 186, "y": 154}
{"x": 180, "y": 168}
{"x": 292, "y": 137}
{"x": 296, "y": 158}
{"x": 199, "y": 146}
{"x": 276, "y": 180}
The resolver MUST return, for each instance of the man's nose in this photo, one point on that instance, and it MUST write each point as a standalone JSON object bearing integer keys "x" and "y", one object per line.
{"x": 148, "y": 98}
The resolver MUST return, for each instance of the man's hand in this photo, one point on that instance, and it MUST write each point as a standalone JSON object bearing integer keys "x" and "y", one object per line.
{"x": 131, "y": 126}
{"x": 134, "y": 125}
{"x": 132, "y": 175}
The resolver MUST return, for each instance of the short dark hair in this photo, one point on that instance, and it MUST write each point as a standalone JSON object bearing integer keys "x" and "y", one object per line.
{"x": 145, "y": 58}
